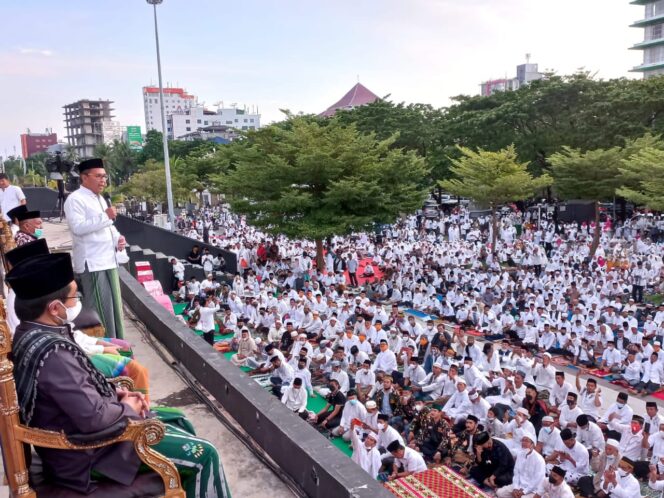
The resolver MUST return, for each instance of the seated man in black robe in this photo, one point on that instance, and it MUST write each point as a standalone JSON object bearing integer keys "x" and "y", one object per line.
{"x": 494, "y": 464}
{"x": 59, "y": 389}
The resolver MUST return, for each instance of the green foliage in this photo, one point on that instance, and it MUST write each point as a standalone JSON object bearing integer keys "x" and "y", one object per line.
{"x": 312, "y": 181}
{"x": 36, "y": 163}
{"x": 591, "y": 175}
{"x": 120, "y": 160}
{"x": 492, "y": 178}
{"x": 413, "y": 127}
{"x": 150, "y": 184}
{"x": 643, "y": 178}
{"x": 153, "y": 147}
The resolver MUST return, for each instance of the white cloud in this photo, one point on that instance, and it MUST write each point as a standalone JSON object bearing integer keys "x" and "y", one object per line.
{"x": 35, "y": 51}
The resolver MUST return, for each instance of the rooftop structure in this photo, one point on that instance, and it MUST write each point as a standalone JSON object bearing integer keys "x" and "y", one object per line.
{"x": 357, "y": 96}
{"x": 175, "y": 100}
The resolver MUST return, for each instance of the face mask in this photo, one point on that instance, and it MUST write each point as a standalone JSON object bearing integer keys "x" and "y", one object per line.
{"x": 620, "y": 406}
{"x": 38, "y": 233}
{"x": 570, "y": 403}
{"x": 552, "y": 480}
{"x": 622, "y": 473}
{"x": 353, "y": 401}
{"x": 548, "y": 430}
{"x": 418, "y": 408}
{"x": 72, "y": 313}
{"x": 381, "y": 425}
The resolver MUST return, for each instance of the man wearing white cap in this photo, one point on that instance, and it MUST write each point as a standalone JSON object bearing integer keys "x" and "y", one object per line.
{"x": 549, "y": 437}
{"x": 545, "y": 374}
{"x": 529, "y": 469}
{"x": 600, "y": 462}
{"x": 458, "y": 406}
{"x": 365, "y": 454}
{"x": 518, "y": 428}
{"x": 479, "y": 407}
{"x": 431, "y": 387}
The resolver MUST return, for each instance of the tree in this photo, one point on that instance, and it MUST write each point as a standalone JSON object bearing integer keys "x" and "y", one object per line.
{"x": 311, "y": 180}
{"x": 643, "y": 178}
{"x": 36, "y": 163}
{"x": 150, "y": 184}
{"x": 593, "y": 176}
{"x": 492, "y": 179}
{"x": 120, "y": 160}
{"x": 414, "y": 126}
{"x": 153, "y": 147}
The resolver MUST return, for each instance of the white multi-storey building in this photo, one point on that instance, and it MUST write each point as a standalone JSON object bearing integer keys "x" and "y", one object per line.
{"x": 190, "y": 120}
{"x": 175, "y": 100}
{"x": 653, "y": 38}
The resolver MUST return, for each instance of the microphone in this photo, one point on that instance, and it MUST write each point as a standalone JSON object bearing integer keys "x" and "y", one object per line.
{"x": 107, "y": 198}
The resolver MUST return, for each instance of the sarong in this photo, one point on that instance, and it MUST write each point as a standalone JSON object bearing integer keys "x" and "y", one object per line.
{"x": 112, "y": 365}
{"x": 196, "y": 459}
{"x": 101, "y": 291}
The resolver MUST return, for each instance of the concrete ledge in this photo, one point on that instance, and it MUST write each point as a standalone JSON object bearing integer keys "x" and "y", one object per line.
{"x": 311, "y": 460}
{"x": 152, "y": 237}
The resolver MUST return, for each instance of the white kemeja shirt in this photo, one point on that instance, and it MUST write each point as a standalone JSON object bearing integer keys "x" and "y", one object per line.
{"x": 295, "y": 399}
{"x": 94, "y": 237}
{"x": 626, "y": 486}
{"x": 369, "y": 460}
{"x": 591, "y": 437}
{"x": 412, "y": 461}
{"x": 206, "y": 322}
{"x": 528, "y": 471}
{"x": 87, "y": 343}
{"x": 10, "y": 198}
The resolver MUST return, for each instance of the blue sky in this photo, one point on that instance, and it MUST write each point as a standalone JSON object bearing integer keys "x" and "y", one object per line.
{"x": 294, "y": 54}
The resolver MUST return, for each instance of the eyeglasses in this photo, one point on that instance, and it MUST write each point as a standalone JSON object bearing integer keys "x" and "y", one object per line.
{"x": 99, "y": 177}
{"x": 78, "y": 296}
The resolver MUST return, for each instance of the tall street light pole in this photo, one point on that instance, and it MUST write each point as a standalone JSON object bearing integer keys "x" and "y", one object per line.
{"x": 167, "y": 161}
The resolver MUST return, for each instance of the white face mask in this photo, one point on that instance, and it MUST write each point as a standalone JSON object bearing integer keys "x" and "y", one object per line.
{"x": 72, "y": 313}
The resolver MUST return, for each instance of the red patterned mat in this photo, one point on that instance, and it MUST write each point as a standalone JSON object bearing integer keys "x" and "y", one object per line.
{"x": 434, "y": 483}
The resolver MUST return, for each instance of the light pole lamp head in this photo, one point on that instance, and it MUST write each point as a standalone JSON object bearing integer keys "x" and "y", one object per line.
{"x": 154, "y": 2}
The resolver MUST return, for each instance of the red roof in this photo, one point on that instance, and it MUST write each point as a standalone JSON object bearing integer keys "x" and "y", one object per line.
{"x": 169, "y": 91}
{"x": 356, "y": 96}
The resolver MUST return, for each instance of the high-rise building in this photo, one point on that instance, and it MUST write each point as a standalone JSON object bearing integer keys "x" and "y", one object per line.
{"x": 84, "y": 121}
{"x": 653, "y": 38}
{"x": 175, "y": 100}
{"x": 184, "y": 122}
{"x": 33, "y": 143}
{"x": 525, "y": 73}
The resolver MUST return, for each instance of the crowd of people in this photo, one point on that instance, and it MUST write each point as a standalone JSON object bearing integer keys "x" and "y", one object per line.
{"x": 448, "y": 351}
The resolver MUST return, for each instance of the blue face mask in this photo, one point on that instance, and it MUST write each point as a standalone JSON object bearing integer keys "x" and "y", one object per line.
{"x": 353, "y": 401}
{"x": 39, "y": 232}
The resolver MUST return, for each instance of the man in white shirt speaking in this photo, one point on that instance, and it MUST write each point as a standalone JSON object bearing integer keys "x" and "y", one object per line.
{"x": 95, "y": 243}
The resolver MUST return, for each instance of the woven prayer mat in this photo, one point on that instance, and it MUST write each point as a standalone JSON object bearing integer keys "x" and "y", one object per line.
{"x": 434, "y": 483}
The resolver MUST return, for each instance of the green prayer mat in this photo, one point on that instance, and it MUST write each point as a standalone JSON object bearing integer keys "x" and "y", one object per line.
{"x": 317, "y": 404}
{"x": 230, "y": 354}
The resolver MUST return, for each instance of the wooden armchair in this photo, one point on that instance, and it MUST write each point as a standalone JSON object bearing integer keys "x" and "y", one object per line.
{"x": 14, "y": 435}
